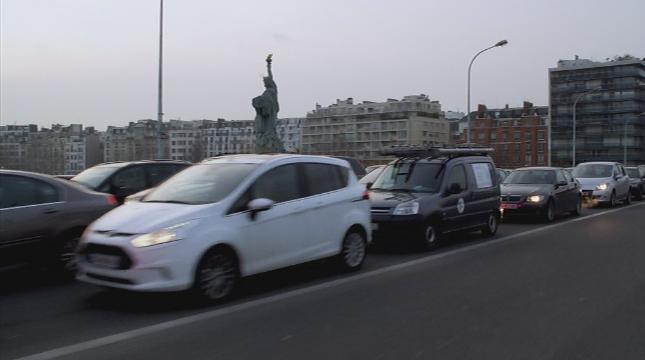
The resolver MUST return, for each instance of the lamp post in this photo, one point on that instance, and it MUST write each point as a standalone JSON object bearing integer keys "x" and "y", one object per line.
{"x": 575, "y": 103}
{"x": 159, "y": 90}
{"x": 500, "y": 43}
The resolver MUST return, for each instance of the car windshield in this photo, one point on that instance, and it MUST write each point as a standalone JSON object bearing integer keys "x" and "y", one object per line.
{"x": 201, "y": 184}
{"x": 531, "y": 177}
{"x": 94, "y": 176}
{"x": 592, "y": 171}
{"x": 371, "y": 176}
{"x": 409, "y": 176}
{"x": 633, "y": 173}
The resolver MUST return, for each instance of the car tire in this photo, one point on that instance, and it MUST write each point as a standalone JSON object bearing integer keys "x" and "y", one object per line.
{"x": 549, "y": 211}
{"x": 429, "y": 238}
{"x": 62, "y": 259}
{"x": 628, "y": 198}
{"x": 216, "y": 276}
{"x": 612, "y": 200}
{"x": 578, "y": 209}
{"x": 639, "y": 195}
{"x": 492, "y": 224}
{"x": 353, "y": 251}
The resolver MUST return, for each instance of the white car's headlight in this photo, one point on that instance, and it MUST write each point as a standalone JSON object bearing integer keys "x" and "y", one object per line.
{"x": 601, "y": 187}
{"x": 408, "y": 208}
{"x": 162, "y": 236}
{"x": 535, "y": 198}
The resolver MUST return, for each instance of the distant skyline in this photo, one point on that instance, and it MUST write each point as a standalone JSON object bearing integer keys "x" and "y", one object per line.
{"x": 95, "y": 61}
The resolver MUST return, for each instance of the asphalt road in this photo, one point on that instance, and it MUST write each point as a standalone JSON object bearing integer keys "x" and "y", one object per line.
{"x": 572, "y": 290}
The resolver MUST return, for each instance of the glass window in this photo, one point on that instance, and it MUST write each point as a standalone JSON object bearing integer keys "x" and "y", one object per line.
{"x": 20, "y": 191}
{"x": 593, "y": 171}
{"x": 531, "y": 177}
{"x": 322, "y": 178}
{"x": 484, "y": 174}
{"x": 560, "y": 176}
{"x": 95, "y": 176}
{"x": 132, "y": 178}
{"x": 409, "y": 176}
{"x": 279, "y": 184}
{"x": 457, "y": 176}
{"x": 158, "y": 173}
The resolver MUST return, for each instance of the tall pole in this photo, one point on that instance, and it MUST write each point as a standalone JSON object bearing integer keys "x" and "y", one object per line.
{"x": 575, "y": 103}
{"x": 159, "y": 90}
{"x": 625, "y": 142}
{"x": 500, "y": 43}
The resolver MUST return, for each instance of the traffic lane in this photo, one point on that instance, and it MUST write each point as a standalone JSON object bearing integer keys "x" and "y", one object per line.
{"x": 31, "y": 325}
{"x": 571, "y": 291}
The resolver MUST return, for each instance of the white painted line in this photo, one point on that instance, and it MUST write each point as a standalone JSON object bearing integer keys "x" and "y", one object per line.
{"x": 130, "y": 334}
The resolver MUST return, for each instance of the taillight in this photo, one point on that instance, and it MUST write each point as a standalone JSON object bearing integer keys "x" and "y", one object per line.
{"x": 111, "y": 200}
{"x": 366, "y": 195}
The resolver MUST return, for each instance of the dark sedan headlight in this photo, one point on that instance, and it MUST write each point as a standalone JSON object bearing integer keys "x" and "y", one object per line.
{"x": 535, "y": 198}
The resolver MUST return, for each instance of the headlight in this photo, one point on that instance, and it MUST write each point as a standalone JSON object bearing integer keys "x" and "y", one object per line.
{"x": 601, "y": 187}
{"x": 408, "y": 208}
{"x": 158, "y": 237}
{"x": 535, "y": 198}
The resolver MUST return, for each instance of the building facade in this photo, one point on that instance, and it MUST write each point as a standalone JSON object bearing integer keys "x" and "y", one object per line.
{"x": 610, "y": 124}
{"x": 229, "y": 137}
{"x": 288, "y": 130}
{"x": 137, "y": 141}
{"x": 363, "y": 130}
{"x": 13, "y": 145}
{"x": 519, "y": 135}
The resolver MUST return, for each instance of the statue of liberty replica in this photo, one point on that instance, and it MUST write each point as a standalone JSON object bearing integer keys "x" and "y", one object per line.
{"x": 266, "y": 109}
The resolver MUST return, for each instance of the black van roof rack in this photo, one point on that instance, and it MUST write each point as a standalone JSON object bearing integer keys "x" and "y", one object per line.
{"x": 435, "y": 152}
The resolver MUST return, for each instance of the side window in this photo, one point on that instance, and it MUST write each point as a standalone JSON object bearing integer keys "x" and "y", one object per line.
{"x": 560, "y": 176}
{"x": 322, "y": 178}
{"x": 623, "y": 169}
{"x": 132, "y": 178}
{"x": 19, "y": 191}
{"x": 483, "y": 177}
{"x": 279, "y": 184}
{"x": 616, "y": 171}
{"x": 158, "y": 173}
{"x": 457, "y": 176}
{"x": 567, "y": 176}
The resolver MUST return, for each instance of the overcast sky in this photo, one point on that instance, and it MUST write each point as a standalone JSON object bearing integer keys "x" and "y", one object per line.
{"x": 95, "y": 61}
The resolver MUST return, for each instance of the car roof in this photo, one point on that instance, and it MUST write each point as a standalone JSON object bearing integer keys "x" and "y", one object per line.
{"x": 126, "y": 163}
{"x": 538, "y": 168}
{"x": 43, "y": 177}
{"x": 599, "y": 163}
{"x": 445, "y": 159}
{"x": 269, "y": 158}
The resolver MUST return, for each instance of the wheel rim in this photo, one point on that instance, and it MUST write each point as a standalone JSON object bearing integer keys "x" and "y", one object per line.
{"x": 492, "y": 223}
{"x": 431, "y": 236}
{"x": 217, "y": 276}
{"x": 67, "y": 255}
{"x": 354, "y": 250}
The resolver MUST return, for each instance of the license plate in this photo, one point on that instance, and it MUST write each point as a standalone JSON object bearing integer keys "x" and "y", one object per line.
{"x": 509, "y": 206}
{"x": 374, "y": 226}
{"x": 102, "y": 260}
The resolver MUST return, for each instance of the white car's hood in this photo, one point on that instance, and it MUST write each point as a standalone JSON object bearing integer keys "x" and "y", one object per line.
{"x": 142, "y": 217}
{"x": 588, "y": 183}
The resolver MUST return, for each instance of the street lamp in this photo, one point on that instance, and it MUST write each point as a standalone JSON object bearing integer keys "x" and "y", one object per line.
{"x": 573, "y": 157}
{"x": 500, "y": 43}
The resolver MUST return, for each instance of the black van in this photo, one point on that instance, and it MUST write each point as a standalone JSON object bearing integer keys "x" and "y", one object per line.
{"x": 429, "y": 192}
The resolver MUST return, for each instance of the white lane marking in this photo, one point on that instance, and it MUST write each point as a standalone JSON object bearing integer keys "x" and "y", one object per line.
{"x": 130, "y": 334}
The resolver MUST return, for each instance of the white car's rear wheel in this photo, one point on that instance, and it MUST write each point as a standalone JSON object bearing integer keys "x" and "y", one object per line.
{"x": 354, "y": 249}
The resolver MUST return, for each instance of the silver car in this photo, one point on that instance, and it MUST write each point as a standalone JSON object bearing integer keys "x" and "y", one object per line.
{"x": 43, "y": 217}
{"x": 603, "y": 182}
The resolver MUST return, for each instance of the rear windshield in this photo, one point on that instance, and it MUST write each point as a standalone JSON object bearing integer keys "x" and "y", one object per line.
{"x": 409, "y": 176}
{"x": 593, "y": 171}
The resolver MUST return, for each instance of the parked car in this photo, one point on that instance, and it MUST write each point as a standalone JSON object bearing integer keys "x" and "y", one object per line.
{"x": 603, "y": 182}
{"x": 636, "y": 181}
{"x": 371, "y": 176}
{"x": 230, "y": 217}
{"x": 543, "y": 191}
{"x": 427, "y": 193}
{"x": 126, "y": 178}
{"x": 501, "y": 174}
{"x": 356, "y": 165}
{"x": 42, "y": 218}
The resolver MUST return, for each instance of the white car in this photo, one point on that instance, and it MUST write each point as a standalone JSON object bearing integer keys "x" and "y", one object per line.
{"x": 603, "y": 182}
{"x": 227, "y": 218}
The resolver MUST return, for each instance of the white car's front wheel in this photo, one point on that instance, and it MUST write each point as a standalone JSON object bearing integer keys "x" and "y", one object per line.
{"x": 217, "y": 275}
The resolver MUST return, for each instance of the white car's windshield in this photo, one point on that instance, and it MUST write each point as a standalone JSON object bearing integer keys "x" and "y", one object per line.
{"x": 201, "y": 184}
{"x": 592, "y": 171}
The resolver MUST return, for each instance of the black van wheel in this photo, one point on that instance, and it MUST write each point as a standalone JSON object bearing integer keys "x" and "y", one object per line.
{"x": 490, "y": 229}
{"x": 430, "y": 237}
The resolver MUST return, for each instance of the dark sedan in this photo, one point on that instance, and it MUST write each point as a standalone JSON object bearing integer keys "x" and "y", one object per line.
{"x": 43, "y": 217}
{"x": 542, "y": 191}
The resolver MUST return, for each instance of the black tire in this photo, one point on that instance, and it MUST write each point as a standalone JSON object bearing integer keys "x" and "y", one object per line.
{"x": 549, "y": 212}
{"x": 628, "y": 198}
{"x": 429, "y": 238}
{"x": 353, "y": 251}
{"x": 216, "y": 276}
{"x": 62, "y": 259}
{"x": 612, "y": 200}
{"x": 492, "y": 224}
{"x": 578, "y": 209}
